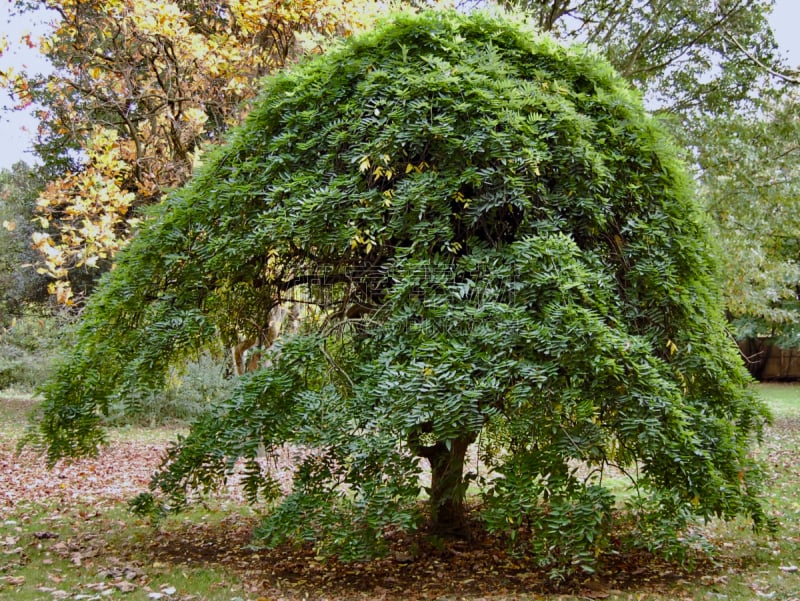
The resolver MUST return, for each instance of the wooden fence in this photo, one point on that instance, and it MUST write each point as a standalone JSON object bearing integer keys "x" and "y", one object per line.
{"x": 766, "y": 361}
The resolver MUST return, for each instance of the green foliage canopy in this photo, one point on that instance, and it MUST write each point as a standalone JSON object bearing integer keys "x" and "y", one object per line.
{"x": 496, "y": 244}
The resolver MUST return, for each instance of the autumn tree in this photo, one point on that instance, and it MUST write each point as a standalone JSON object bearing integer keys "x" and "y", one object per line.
{"x": 138, "y": 88}
{"x": 496, "y": 246}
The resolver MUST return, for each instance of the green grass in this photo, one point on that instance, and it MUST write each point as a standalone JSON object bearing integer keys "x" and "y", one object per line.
{"x": 783, "y": 398}
{"x": 14, "y": 411}
{"x": 81, "y": 553}
{"x": 51, "y": 550}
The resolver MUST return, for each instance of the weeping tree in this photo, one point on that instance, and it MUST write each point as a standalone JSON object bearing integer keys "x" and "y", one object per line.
{"x": 494, "y": 248}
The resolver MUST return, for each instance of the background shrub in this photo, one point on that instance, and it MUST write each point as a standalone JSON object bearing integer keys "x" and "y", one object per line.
{"x": 188, "y": 394}
{"x": 28, "y": 346}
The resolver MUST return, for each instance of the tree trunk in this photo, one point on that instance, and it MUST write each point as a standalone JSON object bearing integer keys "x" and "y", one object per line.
{"x": 447, "y": 494}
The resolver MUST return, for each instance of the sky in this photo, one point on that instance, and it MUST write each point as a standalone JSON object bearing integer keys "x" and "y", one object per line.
{"x": 16, "y": 129}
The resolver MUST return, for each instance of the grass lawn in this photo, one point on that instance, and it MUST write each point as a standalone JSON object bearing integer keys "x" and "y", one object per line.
{"x": 67, "y": 534}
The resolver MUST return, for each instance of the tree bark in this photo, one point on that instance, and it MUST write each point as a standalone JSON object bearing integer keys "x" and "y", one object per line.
{"x": 447, "y": 492}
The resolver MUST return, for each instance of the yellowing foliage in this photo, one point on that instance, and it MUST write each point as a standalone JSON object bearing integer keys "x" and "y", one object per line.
{"x": 142, "y": 85}
{"x": 91, "y": 209}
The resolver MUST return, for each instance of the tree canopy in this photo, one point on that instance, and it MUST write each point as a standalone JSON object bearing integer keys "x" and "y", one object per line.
{"x": 140, "y": 87}
{"x": 495, "y": 246}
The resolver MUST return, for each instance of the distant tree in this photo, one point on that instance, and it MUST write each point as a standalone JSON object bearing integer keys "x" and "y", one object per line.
{"x": 19, "y": 282}
{"x": 750, "y": 176}
{"x": 688, "y": 58}
{"x": 495, "y": 245}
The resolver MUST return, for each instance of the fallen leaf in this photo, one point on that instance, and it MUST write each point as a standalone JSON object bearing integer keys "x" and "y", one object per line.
{"x": 97, "y": 586}
{"x": 123, "y": 586}
{"x": 44, "y": 534}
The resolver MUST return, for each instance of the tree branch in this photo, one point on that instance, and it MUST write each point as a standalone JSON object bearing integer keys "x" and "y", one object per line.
{"x": 755, "y": 60}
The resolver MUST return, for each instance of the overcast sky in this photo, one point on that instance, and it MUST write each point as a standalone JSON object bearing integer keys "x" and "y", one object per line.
{"x": 16, "y": 129}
